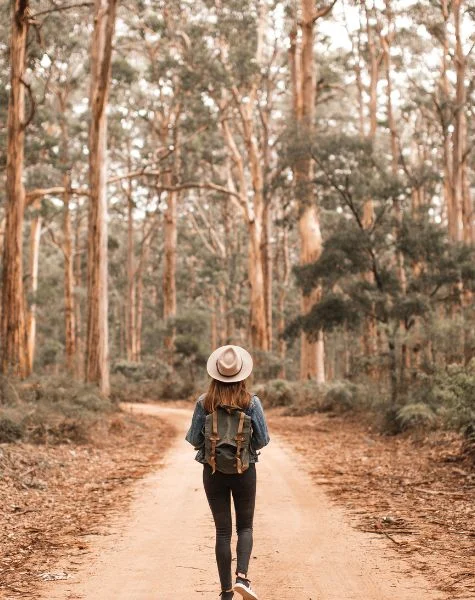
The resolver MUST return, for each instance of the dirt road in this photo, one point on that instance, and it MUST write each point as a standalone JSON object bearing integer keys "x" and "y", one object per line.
{"x": 305, "y": 548}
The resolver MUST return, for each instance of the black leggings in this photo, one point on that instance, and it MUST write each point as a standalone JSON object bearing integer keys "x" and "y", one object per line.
{"x": 218, "y": 488}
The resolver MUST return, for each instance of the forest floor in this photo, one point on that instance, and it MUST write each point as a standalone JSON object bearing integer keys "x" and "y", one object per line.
{"x": 342, "y": 514}
{"x": 414, "y": 492}
{"x": 52, "y": 497}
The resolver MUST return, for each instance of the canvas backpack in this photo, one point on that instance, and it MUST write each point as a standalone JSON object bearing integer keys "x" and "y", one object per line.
{"x": 227, "y": 439}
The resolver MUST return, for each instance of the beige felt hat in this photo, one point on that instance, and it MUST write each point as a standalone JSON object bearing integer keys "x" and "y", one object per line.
{"x": 229, "y": 363}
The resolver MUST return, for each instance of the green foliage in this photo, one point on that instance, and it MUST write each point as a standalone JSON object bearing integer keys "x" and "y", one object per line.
{"x": 152, "y": 380}
{"x": 306, "y": 397}
{"x": 10, "y": 430}
{"x": 276, "y": 392}
{"x": 341, "y": 396}
{"x": 267, "y": 365}
{"x": 153, "y": 369}
{"x": 52, "y": 410}
{"x": 452, "y": 392}
{"x": 417, "y": 415}
{"x": 360, "y": 267}
{"x": 123, "y": 71}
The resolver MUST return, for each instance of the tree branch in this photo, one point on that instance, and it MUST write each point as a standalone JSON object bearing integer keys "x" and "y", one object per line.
{"x": 321, "y": 12}
{"x": 32, "y": 104}
{"x": 61, "y": 8}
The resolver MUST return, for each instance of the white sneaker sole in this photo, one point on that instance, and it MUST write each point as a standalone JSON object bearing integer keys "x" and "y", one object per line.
{"x": 245, "y": 592}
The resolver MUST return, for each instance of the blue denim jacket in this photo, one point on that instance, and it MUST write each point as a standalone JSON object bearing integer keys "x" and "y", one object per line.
{"x": 259, "y": 438}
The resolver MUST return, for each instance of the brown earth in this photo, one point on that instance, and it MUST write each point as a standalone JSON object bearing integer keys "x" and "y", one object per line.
{"x": 162, "y": 546}
{"x": 53, "y": 496}
{"x": 415, "y": 493}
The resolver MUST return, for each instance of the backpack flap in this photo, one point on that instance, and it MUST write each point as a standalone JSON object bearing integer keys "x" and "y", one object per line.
{"x": 227, "y": 440}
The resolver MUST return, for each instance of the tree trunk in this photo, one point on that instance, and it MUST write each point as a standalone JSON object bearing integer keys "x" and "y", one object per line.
{"x": 266, "y": 251}
{"x": 35, "y": 237}
{"x": 253, "y": 218}
{"x": 72, "y": 364}
{"x": 284, "y": 273}
{"x": 228, "y": 290}
{"x": 445, "y": 117}
{"x": 131, "y": 292}
{"x": 78, "y": 280}
{"x": 69, "y": 303}
{"x": 259, "y": 338}
{"x": 393, "y": 380}
{"x": 399, "y": 257}
{"x": 461, "y": 190}
{"x": 311, "y": 353}
{"x": 374, "y": 77}
{"x": 169, "y": 268}
{"x": 140, "y": 287}
{"x": 370, "y": 329}
{"x": 213, "y": 321}
{"x": 13, "y": 326}
{"x": 97, "y": 348}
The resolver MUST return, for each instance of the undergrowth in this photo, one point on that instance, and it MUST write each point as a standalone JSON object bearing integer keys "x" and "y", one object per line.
{"x": 444, "y": 399}
{"x": 152, "y": 380}
{"x": 50, "y": 410}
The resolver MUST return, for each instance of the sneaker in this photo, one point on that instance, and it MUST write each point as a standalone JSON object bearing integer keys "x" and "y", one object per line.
{"x": 227, "y": 595}
{"x": 243, "y": 587}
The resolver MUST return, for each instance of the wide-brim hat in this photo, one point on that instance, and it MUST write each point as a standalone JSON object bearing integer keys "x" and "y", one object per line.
{"x": 229, "y": 363}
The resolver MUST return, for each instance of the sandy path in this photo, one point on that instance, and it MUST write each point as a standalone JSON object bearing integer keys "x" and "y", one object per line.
{"x": 305, "y": 549}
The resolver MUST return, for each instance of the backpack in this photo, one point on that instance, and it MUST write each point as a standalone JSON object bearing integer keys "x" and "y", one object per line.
{"x": 227, "y": 439}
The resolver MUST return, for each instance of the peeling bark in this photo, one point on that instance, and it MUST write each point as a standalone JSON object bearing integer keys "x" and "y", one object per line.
{"x": 13, "y": 327}
{"x": 303, "y": 78}
{"x": 69, "y": 302}
{"x": 97, "y": 348}
{"x": 35, "y": 237}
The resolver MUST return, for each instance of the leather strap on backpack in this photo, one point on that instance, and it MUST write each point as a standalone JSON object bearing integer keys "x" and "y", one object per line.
{"x": 214, "y": 437}
{"x": 239, "y": 439}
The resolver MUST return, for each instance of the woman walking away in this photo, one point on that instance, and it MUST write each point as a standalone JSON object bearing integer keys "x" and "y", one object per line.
{"x": 228, "y": 428}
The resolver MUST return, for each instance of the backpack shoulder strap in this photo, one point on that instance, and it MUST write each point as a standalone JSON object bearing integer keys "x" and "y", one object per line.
{"x": 239, "y": 440}
{"x": 214, "y": 438}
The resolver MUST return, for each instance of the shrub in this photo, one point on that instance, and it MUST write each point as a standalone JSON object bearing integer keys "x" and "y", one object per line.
{"x": 340, "y": 396}
{"x": 276, "y": 392}
{"x": 10, "y": 430}
{"x": 305, "y": 397}
{"x": 52, "y": 410}
{"x": 416, "y": 416}
{"x": 449, "y": 393}
{"x": 267, "y": 365}
{"x": 59, "y": 432}
{"x": 140, "y": 371}
{"x": 468, "y": 446}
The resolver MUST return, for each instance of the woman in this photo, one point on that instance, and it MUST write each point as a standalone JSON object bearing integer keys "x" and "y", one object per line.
{"x": 229, "y": 366}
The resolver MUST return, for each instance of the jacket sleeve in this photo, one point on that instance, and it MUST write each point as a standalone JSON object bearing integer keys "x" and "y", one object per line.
{"x": 195, "y": 435}
{"x": 260, "y": 434}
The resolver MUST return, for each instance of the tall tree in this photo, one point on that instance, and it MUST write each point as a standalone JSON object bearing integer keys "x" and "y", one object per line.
{"x": 97, "y": 349}
{"x": 13, "y": 326}
{"x": 312, "y": 364}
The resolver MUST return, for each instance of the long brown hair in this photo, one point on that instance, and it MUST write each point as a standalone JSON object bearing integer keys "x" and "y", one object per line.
{"x": 232, "y": 394}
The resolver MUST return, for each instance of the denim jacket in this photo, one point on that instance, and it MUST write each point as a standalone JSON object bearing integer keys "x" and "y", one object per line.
{"x": 259, "y": 437}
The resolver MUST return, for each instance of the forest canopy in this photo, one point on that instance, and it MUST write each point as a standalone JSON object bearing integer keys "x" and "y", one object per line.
{"x": 296, "y": 177}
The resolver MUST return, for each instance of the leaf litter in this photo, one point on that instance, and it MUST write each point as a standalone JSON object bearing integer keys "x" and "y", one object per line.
{"x": 416, "y": 491}
{"x": 53, "y": 496}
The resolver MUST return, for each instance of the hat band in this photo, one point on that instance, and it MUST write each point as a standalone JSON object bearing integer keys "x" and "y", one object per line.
{"x": 232, "y": 374}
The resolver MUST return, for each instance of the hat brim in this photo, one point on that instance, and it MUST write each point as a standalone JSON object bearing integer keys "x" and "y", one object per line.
{"x": 245, "y": 371}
